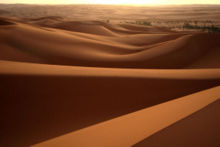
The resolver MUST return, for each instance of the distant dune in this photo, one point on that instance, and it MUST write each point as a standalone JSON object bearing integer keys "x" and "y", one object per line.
{"x": 99, "y": 44}
{"x": 98, "y": 84}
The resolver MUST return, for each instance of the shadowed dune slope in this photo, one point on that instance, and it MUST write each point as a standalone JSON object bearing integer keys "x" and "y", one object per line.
{"x": 59, "y": 77}
{"x": 122, "y": 132}
{"x": 5, "y": 22}
{"x": 200, "y": 129}
{"x": 63, "y": 98}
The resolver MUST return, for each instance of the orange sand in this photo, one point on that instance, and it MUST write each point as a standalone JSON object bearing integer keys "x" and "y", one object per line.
{"x": 94, "y": 84}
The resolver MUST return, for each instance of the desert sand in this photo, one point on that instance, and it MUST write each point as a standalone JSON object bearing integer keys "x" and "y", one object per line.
{"x": 89, "y": 83}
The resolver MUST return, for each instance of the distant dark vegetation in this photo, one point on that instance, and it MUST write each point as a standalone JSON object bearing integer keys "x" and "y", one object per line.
{"x": 146, "y": 23}
{"x": 184, "y": 25}
{"x": 207, "y": 27}
{"x": 204, "y": 18}
{"x": 140, "y": 22}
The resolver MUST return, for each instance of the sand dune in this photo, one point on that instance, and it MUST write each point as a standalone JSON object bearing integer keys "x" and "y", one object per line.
{"x": 60, "y": 47}
{"x": 191, "y": 131}
{"x": 103, "y": 82}
{"x": 122, "y": 132}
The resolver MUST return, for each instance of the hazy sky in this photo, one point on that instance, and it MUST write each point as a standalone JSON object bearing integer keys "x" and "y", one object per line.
{"x": 113, "y": 1}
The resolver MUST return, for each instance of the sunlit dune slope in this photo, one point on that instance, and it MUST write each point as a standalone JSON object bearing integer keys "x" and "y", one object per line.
{"x": 122, "y": 131}
{"x": 105, "y": 84}
{"x": 201, "y": 129}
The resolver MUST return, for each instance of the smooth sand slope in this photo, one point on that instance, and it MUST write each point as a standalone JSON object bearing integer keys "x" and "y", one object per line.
{"x": 108, "y": 84}
{"x": 131, "y": 128}
{"x": 201, "y": 129}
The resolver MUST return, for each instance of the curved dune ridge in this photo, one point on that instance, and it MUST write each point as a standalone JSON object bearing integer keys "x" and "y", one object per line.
{"x": 93, "y": 44}
{"x": 96, "y": 84}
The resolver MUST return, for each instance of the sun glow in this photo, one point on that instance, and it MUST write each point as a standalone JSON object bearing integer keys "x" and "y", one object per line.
{"x": 131, "y": 2}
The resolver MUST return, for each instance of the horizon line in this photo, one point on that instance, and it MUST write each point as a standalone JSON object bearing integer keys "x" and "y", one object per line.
{"x": 162, "y": 4}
